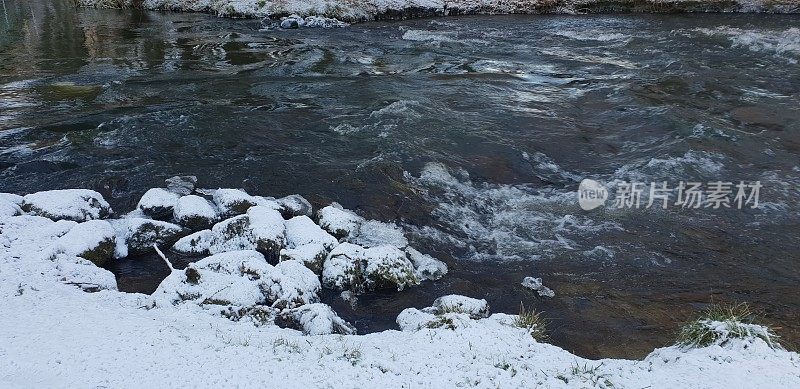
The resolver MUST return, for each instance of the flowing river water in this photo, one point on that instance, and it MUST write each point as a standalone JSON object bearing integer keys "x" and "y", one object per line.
{"x": 472, "y": 133}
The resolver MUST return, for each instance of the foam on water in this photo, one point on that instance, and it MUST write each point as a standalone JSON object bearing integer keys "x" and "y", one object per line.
{"x": 504, "y": 222}
{"x": 785, "y": 43}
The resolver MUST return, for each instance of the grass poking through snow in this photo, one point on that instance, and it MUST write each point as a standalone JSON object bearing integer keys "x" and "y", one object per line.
{"x": 532, "y": 322}
{"x": 719, "y": 324}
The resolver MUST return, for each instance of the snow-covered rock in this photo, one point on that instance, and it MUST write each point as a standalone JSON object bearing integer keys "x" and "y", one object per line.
{"x": 353, "y": 267}
{"x": 295, "y": 205}
{"x": 12, "y": 198}
{"x": 340, "y": 222}
{"x": 67, "y": 204}
{"x": 92, "y": 240}
{"x": 426, "y": 267}
{"x": 158, "y": 203}
{"x": 195, "y": 212}
{"x": 229, "y": 278}
{"x": 375, "y": 233}
{"x": 231, "y": 202}
{"x": 138, "y": 235}
{"x": 475, "y": 308}
{"x": 314, "y": 319}
{"x": 291, "y": 284}
{"x": 260, "y": 229}
{"x": 388, "y": 268}
{"x": 197, "y": 243}
{"x": 343, "y": 269}
{"x": 536, "y": 284}
{"x": 7, "y": 208}
{"x": 312, "y": 255}
{"x": 84, "y": 274}
{"x": 301, "y": 230}
{"x": 181, "y": 185}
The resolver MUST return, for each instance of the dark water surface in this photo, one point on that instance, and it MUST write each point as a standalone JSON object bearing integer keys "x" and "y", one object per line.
{"x": 472, "y": 132}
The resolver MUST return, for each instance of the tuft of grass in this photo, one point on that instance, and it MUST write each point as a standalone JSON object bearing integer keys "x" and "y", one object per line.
{"x": 718, "y": 324}
{"x": 531, "y": 321}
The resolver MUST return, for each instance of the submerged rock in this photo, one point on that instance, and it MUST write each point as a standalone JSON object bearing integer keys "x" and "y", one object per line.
{"x": 314, "y": 319}
{"x": 67, "y": 204}
{"x": 340, "y": 222}
{"x": 92, "y": 240}
{"x": 138, "y": 235}
{"x": 181, "y": 185}
{"x": 195, "y": 212}
{"x": 158, "y": 203}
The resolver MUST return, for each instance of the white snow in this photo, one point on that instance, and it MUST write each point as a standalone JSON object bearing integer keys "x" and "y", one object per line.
{"x": 70, "y": 204}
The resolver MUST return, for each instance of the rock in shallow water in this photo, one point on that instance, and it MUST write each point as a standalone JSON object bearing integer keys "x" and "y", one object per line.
{"x": 181, "y": 185}
{"x": 138, "y": 235}
{"x": 353, "y": 267}
{"x": 67, "y": 204}
{"x": 158, "y": 203}
{"x": 340, "y": 222}
{"x": 195, "y": 212}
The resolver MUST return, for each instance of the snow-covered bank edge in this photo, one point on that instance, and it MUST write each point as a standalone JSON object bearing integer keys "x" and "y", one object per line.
{"x": 53, "y": 333}
{"x": 366, "y": 10}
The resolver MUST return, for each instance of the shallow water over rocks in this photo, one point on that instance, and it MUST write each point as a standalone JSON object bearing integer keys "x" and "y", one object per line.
{"x": 472, "y": 132}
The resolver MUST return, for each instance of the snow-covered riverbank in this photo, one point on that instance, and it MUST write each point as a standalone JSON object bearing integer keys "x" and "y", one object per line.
{"x": 363, "y": 10}
{"x": 218, "y": 322}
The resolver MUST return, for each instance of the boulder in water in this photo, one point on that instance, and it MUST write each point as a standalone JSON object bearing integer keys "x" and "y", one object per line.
{"x": 195, "y": 212}
{"x": 181, "y": 185}
{"x": 138, "y": 235}
{"x": 158, "y": 203}
{"x": 340, "y": 222}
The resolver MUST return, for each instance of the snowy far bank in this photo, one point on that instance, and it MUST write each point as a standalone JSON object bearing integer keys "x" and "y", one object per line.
{"x": 247, "y": 314}
{"x": 364, "y": 10}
